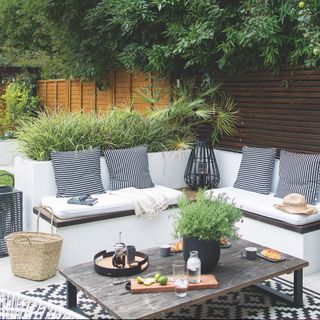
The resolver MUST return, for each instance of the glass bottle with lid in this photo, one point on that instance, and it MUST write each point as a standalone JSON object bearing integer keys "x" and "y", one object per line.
{"x": 194, "y": 268}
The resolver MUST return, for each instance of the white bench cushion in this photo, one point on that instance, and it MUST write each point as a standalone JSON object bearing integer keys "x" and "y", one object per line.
{"x": 263, "y": 205}
{"x": 106, "y": 204}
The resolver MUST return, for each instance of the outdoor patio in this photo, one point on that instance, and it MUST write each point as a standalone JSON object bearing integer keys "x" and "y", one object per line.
{"x": 159, "y": 159}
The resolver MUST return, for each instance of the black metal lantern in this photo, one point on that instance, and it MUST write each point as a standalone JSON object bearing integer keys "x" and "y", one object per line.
{"x": 202, "y": 170}
{"x": 10, "y": 213}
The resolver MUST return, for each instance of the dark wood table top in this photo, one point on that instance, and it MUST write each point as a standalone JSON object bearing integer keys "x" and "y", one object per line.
{"x": 233, "y": 273}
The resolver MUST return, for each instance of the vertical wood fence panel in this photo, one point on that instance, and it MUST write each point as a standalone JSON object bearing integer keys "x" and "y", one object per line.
{"x": 281, "y": 110}
{"x": 120, "y": 88}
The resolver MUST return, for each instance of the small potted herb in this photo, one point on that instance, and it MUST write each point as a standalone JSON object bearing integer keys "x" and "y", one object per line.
{"x": 202, "y": 222}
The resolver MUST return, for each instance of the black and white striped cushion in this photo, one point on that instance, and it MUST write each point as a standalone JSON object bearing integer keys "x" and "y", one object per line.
{"x": 256, "y": 168}
{"x": 128, "y": 168}
{"x": 77, "y": 172}
{"x": 299, "y": 173}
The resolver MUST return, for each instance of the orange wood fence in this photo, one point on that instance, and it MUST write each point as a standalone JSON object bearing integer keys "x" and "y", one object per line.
{"x": 120, "y": 87}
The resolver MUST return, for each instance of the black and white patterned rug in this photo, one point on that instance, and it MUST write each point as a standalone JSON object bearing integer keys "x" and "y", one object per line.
{"x": 248, "y": 303}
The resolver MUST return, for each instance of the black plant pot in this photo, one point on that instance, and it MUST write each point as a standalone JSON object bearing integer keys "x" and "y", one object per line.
{"x": 209, "y": 252}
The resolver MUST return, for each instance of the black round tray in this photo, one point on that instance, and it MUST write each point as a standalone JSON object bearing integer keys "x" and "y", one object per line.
{"x": 116, "y": 272}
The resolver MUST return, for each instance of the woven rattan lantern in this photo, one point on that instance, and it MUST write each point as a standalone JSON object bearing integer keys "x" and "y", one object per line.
{"x": 10, "y": 213}
{"x": 202, "y": 170}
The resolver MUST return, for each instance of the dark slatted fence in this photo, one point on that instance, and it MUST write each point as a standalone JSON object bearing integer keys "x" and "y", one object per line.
{"x": 281, "y": 110}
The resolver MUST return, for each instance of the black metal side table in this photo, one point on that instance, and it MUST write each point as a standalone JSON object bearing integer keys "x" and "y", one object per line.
{"x": 10, "y": 213}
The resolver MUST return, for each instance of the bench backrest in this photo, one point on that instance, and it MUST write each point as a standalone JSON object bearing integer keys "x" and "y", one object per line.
{"x": 229, "y": 163}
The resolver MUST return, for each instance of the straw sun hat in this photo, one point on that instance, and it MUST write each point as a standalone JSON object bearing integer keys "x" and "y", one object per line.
{"x": 296, "y": 203}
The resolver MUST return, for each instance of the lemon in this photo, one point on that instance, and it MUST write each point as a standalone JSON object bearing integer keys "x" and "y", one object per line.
{"x": 163, "y": 280}
{"x": 301, "y": 4}
{"x": 157, "y": 276}
{"x": 149, "y": 281}
{"x": 139, "y": 280}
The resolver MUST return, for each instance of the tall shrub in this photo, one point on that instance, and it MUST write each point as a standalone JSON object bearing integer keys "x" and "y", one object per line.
{"x": 20, "y": 103}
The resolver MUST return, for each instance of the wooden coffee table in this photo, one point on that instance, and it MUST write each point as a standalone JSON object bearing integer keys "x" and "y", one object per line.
{"x": 232, "y": 273}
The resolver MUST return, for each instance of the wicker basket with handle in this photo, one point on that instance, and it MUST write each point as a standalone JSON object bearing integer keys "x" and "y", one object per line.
{"x": 34, "y": 255}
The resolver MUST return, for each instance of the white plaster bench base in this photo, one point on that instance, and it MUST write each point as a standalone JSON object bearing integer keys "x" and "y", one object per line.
{"x": 304, "y": 246}
{"x": 82, "y": 241}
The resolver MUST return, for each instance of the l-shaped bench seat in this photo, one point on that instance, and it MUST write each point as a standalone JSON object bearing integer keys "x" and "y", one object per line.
{"x": 87, "y": 235}
{"x": 295, "y": 234}
{"x": 108, "y": 203}
{"x": 261, "y": 207}
{"x": 89, "y": 229}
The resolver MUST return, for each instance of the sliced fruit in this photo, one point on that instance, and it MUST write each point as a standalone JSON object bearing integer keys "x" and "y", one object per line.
{"x": 163, "y": 280}
{"x": 149, "y": 281}
{"x": 157, "y": 276}
{"x": 139, "y": 280}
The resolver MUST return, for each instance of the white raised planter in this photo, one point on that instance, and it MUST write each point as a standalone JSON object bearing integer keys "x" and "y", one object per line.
{"x": 8, "y": 151}
{"x": 36, "y": 178}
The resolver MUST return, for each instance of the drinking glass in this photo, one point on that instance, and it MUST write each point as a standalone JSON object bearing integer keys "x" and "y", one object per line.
{"x": 180, "y": 279}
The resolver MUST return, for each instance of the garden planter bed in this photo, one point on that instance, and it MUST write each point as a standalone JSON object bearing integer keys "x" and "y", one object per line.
{"x": 8, "y": 151}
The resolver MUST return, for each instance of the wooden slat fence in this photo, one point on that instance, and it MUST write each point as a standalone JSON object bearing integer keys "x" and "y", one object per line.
{"x": 281, "y": 110}
{"x": 275, "y": 110}
{"x": 120, "y": 87}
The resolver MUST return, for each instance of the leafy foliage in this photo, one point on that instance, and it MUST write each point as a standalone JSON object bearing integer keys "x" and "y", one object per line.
{"x": 169, "y": 128}
{"x": 20, "y": 102}
{"x": 5, "y": 180}
{"x": 27, "y": 38}
{"x": 40, "y": 136}
{"x": 176, "y": 37}
{"x": 206, "y": 219}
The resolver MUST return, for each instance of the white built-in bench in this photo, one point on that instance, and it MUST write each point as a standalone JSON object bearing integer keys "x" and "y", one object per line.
{"x": 86, "y": 234}
{"x": 297, "y": 235}
{"x": 83, "y": 236}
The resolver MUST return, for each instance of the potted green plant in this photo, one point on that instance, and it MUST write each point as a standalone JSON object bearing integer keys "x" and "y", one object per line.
{"x": 202, "y": 222}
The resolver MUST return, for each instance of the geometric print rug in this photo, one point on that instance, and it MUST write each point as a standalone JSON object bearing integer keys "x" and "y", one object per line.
{"x": 247, "y": 303}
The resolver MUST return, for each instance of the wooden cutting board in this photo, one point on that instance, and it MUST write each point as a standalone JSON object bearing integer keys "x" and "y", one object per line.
{"x": 208, "y": 281}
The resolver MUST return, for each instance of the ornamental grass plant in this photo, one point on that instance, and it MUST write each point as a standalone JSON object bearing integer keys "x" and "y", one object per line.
{"x": 120, "y": 128}
{"x": 40, "y": 136}
{"x": 161, "y": 129}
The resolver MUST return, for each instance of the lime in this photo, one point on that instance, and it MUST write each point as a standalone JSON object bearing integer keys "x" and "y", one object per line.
{"x": 139, "y": 280}
{"x": 301, "y": 4}
{"x": 157, "y": 276}
{"x": 149, "y": 281}
{"x": 163, "y": 280}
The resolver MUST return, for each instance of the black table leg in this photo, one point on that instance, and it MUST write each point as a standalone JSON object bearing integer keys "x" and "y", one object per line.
{"x": 297, "y": 299}
{"x": 71, "y": 296}
{"x": 72, "y": 303}
{"x": 298, "y": 288}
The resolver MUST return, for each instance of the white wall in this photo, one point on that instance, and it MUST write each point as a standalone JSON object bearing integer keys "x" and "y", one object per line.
{"x": 8, "y": 151}
{"x": 36, "y": 178}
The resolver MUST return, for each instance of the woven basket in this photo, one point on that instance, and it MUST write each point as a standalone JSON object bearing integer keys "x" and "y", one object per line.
{"x": 34, "y": 255}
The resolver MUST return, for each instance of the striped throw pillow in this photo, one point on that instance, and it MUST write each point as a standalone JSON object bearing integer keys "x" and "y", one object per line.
{"x": 256, "y": 168}
{"x": 128, "y": 168}
{"x": 77, "y": 172}
{"x": 299, "y": 173}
